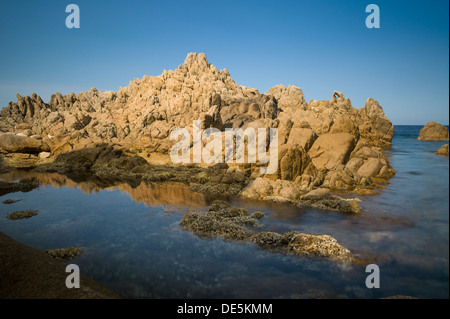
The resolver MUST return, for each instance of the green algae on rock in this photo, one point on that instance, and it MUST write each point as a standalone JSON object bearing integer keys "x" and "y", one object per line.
{"x": 223, "y": 220}
{"x": 22, "y": 214}
{"x": 64, "y": 254}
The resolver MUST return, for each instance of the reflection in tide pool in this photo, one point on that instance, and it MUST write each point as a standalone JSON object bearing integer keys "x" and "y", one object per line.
{"x": 135, "y": 246}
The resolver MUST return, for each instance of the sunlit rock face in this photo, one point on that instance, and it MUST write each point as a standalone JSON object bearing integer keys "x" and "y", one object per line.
{"x": 433, "y": 131}
{"x": 327, "y": 143}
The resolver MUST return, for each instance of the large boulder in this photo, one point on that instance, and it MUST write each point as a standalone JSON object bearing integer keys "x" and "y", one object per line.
{"x": 331, "y": 150}
{"x": 13, "y": 143}
{"x": 433, "y": 131}
{"x": 291, "y": 96}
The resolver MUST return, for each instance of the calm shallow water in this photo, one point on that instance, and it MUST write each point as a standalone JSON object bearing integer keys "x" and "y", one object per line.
{"x": 135, "y": 246}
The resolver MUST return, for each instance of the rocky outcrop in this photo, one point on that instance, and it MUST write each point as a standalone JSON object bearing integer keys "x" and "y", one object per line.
{"x": 331, "y": 150}
{"x": 291, "y": 192}
{"x": 228, "y": 222}
{"x": 322, "y": 199}
{"x": 327, "y": 143}
{"x": 443, "y": 150}
{"x": 433, "y": 131}
{"x": 374, "y": 125}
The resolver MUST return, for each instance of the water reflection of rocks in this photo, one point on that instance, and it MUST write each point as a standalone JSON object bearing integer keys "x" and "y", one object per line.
{"x": 151, "y": 194}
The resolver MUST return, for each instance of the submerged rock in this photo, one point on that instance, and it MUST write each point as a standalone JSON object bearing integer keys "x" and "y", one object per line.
{"x": 22, "y": 214}
{"x": 10, "y": 201}
{"x": 433, "y": 131}
{"x": 322, "y": 199}
{"x": 272, "y": 240}
{"x": 223, "y": 220}
{"x": 65, "y": 254}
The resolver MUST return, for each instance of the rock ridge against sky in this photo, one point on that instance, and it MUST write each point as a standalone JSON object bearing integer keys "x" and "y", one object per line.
{"x": 326, "y": 143}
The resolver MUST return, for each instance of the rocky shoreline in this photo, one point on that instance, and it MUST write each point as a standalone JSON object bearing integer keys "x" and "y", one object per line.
{"x": 126, "y": 134}
{"x": 324, "y": 148}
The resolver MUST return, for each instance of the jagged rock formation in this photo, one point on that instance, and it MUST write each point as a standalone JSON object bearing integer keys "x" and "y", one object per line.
{"x": 327, "y": 144}
{"x": 433, "y": 131}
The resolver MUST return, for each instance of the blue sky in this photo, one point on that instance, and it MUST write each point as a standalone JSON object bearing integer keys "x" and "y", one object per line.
{"x": 319, "y": 46}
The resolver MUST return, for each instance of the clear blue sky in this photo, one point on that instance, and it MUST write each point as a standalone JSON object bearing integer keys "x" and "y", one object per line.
{"x": 319, "y": 46}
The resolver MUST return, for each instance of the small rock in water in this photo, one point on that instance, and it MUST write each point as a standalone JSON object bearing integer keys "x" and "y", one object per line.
{"x": 443, "y": 150}
{"x": 64, "y": 254}
{"x": 21, "y": 214}
{"x": 11, "y": 201}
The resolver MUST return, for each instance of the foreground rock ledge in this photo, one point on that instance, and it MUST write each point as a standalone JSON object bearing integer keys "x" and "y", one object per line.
{"x": 28, "y": 273}
{"x": 227, "y": 222}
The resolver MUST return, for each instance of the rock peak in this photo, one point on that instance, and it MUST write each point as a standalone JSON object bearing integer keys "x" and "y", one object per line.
{"x": 196, "y": 62}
